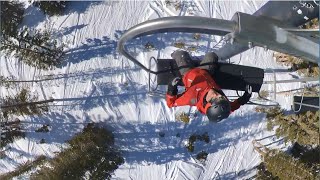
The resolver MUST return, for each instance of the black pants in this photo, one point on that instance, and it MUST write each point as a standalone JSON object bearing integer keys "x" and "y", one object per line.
{"x": 185, "y": 62}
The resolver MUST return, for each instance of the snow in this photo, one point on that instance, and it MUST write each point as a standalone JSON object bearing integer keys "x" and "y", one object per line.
{"x": 97, "y": 84}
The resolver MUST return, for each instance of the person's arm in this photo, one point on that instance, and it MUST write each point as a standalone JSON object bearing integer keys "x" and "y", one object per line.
{"x": 243, "y": 99}
{"x": 171, "y": 100}
{"x": 172, "y": 97}
{"x": 235, "y": 105}
{"x": 172, "y": 92}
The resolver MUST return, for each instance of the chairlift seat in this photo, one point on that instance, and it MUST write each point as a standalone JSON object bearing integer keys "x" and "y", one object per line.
{"x": 228, "y": 76}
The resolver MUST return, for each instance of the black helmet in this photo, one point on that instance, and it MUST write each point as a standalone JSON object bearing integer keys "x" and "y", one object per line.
{"x": 219, "y": 109}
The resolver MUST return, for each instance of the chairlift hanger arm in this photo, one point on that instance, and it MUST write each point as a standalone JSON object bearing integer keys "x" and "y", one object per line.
{"x": 266, "y": 32}
{"x": 190, "y": 24}
{"x": 291, "y": 13}
{"x": 241, "y": 31}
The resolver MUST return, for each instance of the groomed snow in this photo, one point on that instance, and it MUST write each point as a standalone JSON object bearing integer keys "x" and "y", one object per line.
{"x": 96, "y": 84}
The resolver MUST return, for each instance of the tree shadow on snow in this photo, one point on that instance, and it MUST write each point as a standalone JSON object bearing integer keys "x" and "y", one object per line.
{"x": 68, "y": 30}
{"x": 142, "y": 142}
{"x": 101, "y": 94}
{"x": 92, "y": 48}
{"x": 85, "y": 76}
{"x": 34, "y": 15}
{"x": 62, "y": 126}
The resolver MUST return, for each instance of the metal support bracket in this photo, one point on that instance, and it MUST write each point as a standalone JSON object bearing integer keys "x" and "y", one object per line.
{"x": 266, "y": 32}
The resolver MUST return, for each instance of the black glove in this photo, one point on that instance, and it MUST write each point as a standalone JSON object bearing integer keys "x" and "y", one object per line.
{"x": 246, "y": 96}
{"x": 173, "y": 86}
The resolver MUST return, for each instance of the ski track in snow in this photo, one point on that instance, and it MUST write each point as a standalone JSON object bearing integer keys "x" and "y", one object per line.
{"x": 98, "y": 85}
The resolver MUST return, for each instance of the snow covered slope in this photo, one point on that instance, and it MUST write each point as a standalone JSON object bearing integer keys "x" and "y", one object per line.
{"x": 96, "y": 84}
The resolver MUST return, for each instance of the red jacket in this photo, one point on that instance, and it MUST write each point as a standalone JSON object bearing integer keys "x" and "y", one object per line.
{"x": 197, "y": 83}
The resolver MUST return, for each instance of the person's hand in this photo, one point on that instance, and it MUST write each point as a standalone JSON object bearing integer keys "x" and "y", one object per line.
{"x": 248, "y": 90}
{"x": 175, "y": 81}
{"x": 173, "y": 86}
{"x": 246, "y": 96}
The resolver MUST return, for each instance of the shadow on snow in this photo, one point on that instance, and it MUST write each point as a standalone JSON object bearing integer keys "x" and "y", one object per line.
{"x": 142, "y": 143}
{"x": 92, "y": 48}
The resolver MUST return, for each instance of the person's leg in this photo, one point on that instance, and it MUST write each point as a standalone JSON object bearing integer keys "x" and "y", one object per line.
{"x": 209, "y": 61}
{"x": 183, "y": 61}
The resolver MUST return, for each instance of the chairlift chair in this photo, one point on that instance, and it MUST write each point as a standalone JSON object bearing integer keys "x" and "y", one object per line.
{"x": 274, "y": 26}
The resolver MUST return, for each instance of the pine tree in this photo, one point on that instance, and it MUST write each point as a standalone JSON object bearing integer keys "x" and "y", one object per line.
{"x": 14, "y": 10}
{"x": 51, "y": 7}
{"x": 90, "y": 153}
{"x": 35, "y": 48}
{"x": 23, "y": 104}
{"x": 10, "y": 130}
{"x": 284, "y": 166}
{"x": 308, "y": 155}
{"x": 264, "y": 174}
{"x": 302, "y": 128}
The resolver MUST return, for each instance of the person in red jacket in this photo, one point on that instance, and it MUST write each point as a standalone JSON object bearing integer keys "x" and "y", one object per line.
{"x": 201, "y": 90}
